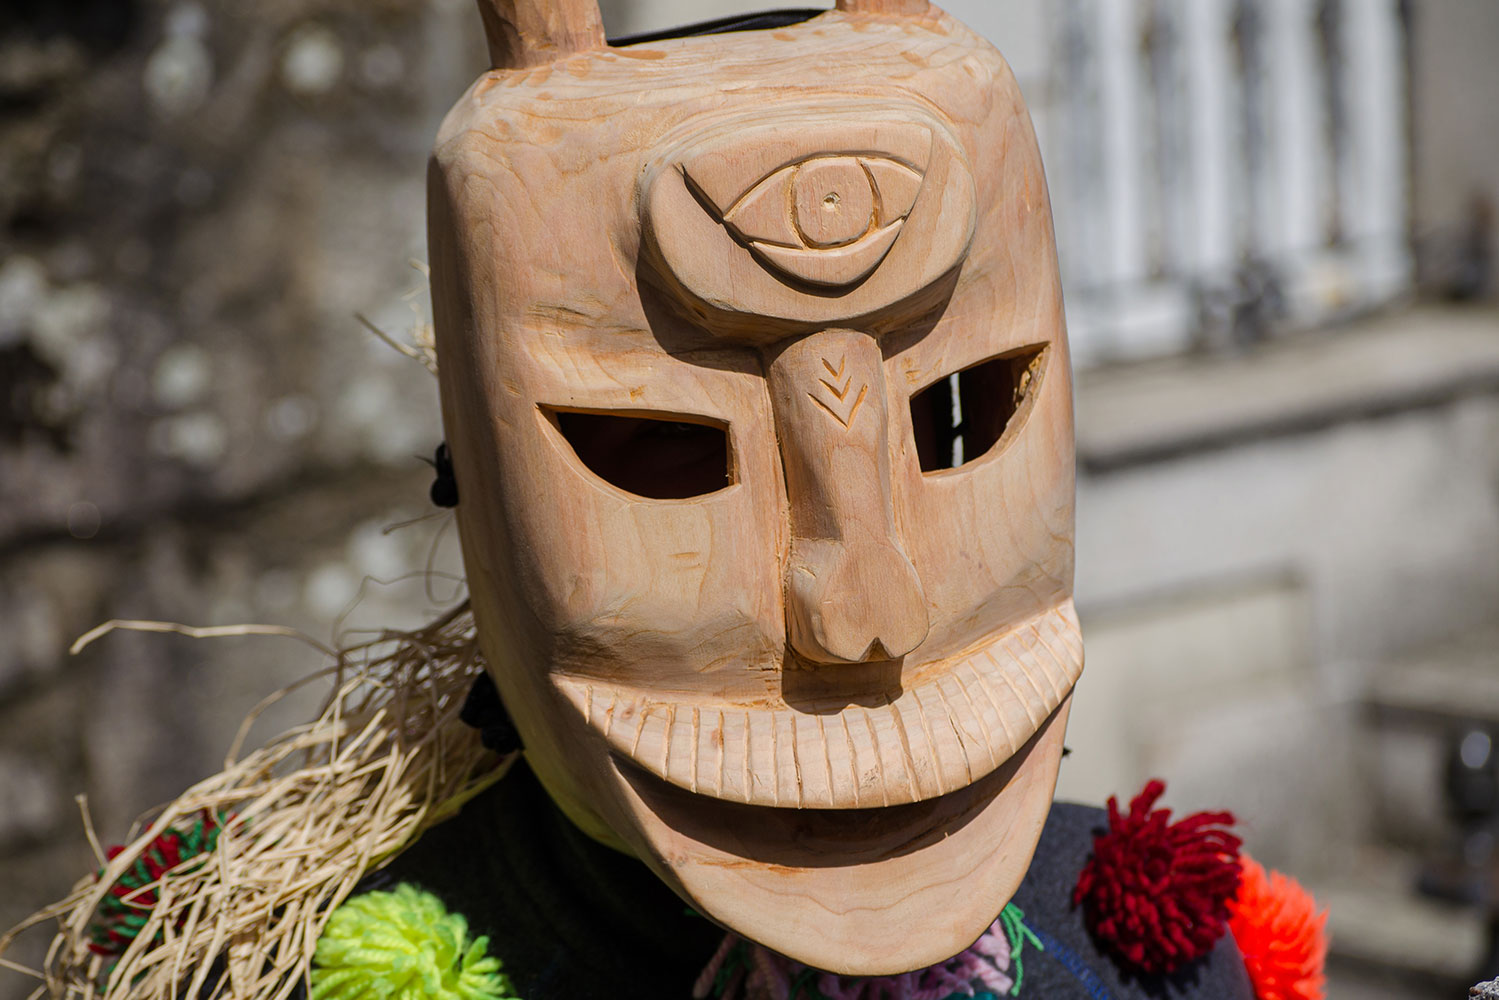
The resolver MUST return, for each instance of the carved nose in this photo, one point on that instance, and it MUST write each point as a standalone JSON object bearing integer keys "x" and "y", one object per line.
{"x": 851, "y": 594}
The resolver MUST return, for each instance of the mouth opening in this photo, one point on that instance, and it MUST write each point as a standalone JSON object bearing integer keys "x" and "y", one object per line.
{"x": 950, "y": 723}
{"x": 822, "y": 838}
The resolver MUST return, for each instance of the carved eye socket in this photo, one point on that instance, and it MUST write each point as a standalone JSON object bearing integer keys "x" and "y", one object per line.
{"x": 659, "y": 458}
{"x": 828, "y": 219}
{"x": 961, "y": 418}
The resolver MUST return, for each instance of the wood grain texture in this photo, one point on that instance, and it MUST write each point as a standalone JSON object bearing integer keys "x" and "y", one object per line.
{"x": 959, "y": 723}
{"x": 868, "y": 891}
{"x": 852, "y": 595}
{"x": 725, "y": 233}
{"x": 525, "y": 33}
{"x": 821, "y": 694}
{"x": 914, "y": 8}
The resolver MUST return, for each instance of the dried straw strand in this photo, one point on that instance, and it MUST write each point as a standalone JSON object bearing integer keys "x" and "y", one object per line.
{"x": 304, "y": 817}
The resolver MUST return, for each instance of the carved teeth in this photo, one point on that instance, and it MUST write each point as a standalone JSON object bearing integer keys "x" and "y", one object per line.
{"x": 943, "y": 733}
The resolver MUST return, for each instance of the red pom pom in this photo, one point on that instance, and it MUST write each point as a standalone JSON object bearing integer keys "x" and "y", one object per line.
{"x": 1283, "y": 937}
{"x": 122, "y": 912}
{"x": 1156, "y": 893}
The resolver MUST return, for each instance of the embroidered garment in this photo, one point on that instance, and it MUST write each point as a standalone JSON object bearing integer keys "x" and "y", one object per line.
{"x": 992, "y": 966}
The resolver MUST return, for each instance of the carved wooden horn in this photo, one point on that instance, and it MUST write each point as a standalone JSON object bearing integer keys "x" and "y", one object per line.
{"x": 914, "y": 7}
{"x": 525, "y": 33}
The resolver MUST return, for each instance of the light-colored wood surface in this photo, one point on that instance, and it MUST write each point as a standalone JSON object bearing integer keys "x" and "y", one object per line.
{"x": 822, "y": 692}
{"x": 912, "y": 8}
{"x": 725, "y": 236}
{"x": 835, "y": 887}
{"x": 525, "y": 33}
{"x": 852, "y": 594}
{"x": 935, "y": 737}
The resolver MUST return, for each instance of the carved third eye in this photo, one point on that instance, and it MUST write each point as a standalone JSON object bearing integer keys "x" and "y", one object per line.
{"x": 828, "y": 220}
{"x": 820, "y": 215}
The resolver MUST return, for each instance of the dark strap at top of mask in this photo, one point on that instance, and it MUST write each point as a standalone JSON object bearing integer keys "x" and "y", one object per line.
{"x": 763, "y": 21}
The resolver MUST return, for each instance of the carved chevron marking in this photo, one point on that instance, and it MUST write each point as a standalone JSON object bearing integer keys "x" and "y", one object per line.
{"x": 839, "y": 393}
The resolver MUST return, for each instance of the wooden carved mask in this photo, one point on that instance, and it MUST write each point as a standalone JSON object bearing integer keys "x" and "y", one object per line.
{"x": 755, "y": 377}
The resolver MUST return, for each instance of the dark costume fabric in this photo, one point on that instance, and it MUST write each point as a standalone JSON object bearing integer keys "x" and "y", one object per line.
{"x": 573, "y": 920}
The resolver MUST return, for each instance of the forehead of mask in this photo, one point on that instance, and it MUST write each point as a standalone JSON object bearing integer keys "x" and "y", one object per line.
{"x": 549, "y": 306}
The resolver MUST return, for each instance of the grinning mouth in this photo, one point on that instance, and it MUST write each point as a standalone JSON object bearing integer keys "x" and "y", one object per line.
{"x": 959, "y": 723}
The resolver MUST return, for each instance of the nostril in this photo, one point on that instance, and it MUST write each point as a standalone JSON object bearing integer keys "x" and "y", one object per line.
{"x": 854, "y": 603}
{"x": 810, "y": 687}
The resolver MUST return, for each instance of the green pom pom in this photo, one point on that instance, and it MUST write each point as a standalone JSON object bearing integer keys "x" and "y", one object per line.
{"x": 403, "y": 945}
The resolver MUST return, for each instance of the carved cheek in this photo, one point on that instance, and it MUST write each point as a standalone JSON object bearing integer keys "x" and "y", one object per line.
{"x": 995, "y": 543}
{"x": 654, "y": 589}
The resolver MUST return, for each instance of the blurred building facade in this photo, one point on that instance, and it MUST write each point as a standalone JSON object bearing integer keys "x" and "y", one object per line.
{"x": 1275, "y": 221}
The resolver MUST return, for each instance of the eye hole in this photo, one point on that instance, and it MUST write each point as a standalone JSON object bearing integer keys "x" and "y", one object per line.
{"x": 962, "y": 417}
{"x": 658, "y": 458}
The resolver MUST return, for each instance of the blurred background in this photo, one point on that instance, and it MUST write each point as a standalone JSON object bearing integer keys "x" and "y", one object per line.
{"x": 1276, "y": 223}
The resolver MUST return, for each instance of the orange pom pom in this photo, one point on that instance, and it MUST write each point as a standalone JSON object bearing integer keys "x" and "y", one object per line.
{"x": 1281, "y": 934}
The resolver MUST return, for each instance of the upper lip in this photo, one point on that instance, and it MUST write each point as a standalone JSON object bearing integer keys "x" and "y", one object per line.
{"x": 965, "y": 718}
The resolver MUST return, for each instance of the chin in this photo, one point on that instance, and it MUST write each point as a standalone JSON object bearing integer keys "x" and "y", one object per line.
{"x": 862, "y": 892}
{"x": 864, "y": 839}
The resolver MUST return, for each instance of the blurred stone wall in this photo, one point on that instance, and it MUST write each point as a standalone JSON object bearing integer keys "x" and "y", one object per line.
{"x": 195, "y": 200}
